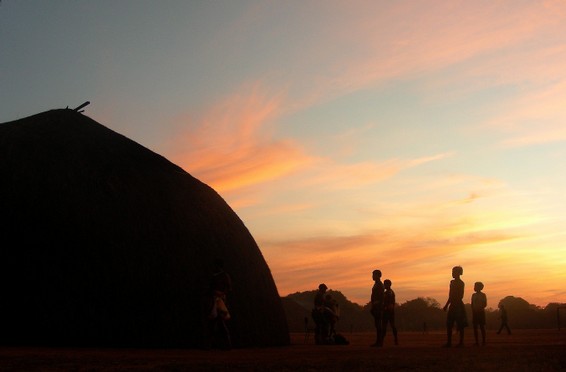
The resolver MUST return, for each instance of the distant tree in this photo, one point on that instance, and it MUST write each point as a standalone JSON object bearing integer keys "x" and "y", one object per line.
{"x": 521, "y": 314}
{"x": 551, "y": 315}
{"x": 412, "y": 315}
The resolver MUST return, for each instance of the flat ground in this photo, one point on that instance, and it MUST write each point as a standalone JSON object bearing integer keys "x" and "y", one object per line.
{"x": 524, "y": 350}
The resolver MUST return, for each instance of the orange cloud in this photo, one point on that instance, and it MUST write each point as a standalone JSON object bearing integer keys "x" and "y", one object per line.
{"x": 231, "y": 146}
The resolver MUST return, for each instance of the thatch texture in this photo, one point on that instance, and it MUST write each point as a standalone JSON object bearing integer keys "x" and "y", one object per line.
{"x": 104, "y": 242}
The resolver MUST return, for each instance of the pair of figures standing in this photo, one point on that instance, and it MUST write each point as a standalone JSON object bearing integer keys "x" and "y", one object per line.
{"x": 383, "y": 304}
{"x": 457, "y": 311}
{"x": 382, "y": 308}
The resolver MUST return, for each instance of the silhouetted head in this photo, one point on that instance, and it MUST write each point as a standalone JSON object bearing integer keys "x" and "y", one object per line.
{"x": 478, "y": 286}
{"x": 376, "y": 274}
{"x": 387, "y": 283}
{"x": 457, "y": 271}
{"x": 322, "y": 287}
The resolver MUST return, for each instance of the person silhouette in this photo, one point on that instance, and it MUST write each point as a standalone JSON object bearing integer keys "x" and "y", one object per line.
{"x": 479, "y": 303}
{"x": 377, "y": 306}
{"x": 455, "y": 306}
{"x": 389, "y": 310}
{"x": 220, "y": 286}
{"x": 332, "y": 314}
{"x": 503, "y": 317}
{"x": 321, "y": 329}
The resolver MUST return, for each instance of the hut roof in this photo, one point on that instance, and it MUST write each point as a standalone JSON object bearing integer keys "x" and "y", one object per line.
{"x": 105, "y": 242}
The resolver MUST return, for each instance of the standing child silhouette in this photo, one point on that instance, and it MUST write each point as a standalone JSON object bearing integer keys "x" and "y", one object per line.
{"x": 455, "y": 306}
{"x": 389, "y": 310}
{"x": 479, "y": 303}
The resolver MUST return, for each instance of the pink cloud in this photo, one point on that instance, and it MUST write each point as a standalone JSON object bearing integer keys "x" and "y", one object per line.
{"x": 402, "y": 40}
{"x": 231, "y": 145}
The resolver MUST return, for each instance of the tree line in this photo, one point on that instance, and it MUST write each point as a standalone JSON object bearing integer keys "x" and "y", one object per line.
{"x": 420, "y": 314}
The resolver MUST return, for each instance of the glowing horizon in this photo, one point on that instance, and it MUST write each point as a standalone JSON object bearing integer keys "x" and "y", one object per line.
{"x": 403, "y": 136}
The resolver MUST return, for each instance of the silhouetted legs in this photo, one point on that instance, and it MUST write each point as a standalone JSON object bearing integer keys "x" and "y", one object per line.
{"x": 456, "y": 314}
{"x": 321, "y": 330}
{"x": 216, "y": 333}
{"x": 460, "y": 331}
{"x": 377, "y": 317}
{"x": 220, "y": 334}
{"x": 478, "y": 321}
{"x": 504, "y": 325}
{"x": 389, "y": 318}
{"x": 482, "y": 329}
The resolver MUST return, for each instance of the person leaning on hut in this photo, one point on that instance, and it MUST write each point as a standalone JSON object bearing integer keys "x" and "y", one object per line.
{"x": 220, "y": 286}
{"x": 455, "y": 305}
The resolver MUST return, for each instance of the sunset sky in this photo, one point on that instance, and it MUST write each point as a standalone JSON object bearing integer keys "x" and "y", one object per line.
{"x": 409, "y": 136}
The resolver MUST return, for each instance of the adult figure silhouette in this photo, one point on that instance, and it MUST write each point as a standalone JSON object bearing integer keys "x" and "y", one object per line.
{"x": 455, "y": 306}
{"x": 377, "y": 307}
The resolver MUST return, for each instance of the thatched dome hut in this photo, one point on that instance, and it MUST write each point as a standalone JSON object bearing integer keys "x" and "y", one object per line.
{"x": 106, "y": 243}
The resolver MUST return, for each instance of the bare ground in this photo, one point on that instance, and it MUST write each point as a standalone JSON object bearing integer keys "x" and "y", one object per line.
{"x": 524, "y": 350}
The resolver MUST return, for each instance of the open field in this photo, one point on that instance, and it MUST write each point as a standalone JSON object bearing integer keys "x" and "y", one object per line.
{"x": 524, "y": 350}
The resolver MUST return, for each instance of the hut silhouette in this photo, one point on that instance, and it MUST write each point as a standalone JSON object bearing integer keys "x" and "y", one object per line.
{"x": 106, "y": 243}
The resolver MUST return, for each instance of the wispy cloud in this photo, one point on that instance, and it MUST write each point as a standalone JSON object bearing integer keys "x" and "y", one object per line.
{"x": 404, "y": 40}
{"x": 535, "y": 118}
{"x": 455, "y": 49}
{"x": 230, "y": 146}
{"x": 350, "y": 176}
{"x": 233, "y": 146}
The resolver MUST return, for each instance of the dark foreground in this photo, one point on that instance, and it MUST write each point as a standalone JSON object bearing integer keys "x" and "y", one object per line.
{"x": 530, "y": 350}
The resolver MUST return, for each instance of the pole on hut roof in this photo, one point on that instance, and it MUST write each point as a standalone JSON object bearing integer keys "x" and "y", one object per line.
{"x": 78, "y": 109}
